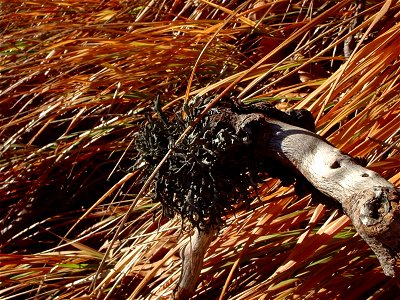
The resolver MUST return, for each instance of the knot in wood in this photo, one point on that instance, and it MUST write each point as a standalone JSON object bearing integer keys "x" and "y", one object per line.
{"x": 374, "y": 209}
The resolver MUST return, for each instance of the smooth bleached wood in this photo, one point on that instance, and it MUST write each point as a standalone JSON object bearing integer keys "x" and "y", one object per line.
{"x": 371, "y": 202}
{"x": 192, "y": 256}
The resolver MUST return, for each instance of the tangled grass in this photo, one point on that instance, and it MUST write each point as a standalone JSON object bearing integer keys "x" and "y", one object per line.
{"x": 77, "y": 79}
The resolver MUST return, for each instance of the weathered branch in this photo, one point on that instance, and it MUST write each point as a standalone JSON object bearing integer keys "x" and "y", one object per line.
{"x": 192, "y": 260}
{"x": 371, "y": 202}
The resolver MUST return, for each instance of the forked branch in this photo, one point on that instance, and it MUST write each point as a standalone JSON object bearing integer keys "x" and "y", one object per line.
{"x": 269, "y": 137}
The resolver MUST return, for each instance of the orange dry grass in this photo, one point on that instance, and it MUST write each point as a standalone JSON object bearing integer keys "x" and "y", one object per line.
{"x": 77, "y": 79}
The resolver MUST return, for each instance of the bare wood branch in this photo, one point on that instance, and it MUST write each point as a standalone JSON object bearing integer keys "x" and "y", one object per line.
{"x": 192, "y": 261}
{"x": 371, "y": 202}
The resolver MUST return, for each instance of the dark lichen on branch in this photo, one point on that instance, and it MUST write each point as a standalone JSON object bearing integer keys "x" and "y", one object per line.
{"x": 210, "y": 173}
{"x": 206, "y": 175}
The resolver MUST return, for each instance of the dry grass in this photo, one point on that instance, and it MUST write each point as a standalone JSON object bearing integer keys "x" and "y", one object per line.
{"x": 78, "y": 77}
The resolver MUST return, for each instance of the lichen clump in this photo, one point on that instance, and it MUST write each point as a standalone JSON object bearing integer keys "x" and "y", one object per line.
{"x": 206, "y": 175}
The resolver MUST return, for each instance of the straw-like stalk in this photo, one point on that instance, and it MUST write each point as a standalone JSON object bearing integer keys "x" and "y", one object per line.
{"x": 77, "y": 81}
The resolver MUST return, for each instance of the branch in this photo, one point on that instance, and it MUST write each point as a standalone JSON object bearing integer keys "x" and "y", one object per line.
{"x": 192, "y": 261}
{"x": 371, "y": 202}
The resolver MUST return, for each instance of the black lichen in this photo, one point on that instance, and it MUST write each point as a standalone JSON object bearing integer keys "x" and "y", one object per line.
{"x": 206, "y": 175}
{"x": 210, "y": 172}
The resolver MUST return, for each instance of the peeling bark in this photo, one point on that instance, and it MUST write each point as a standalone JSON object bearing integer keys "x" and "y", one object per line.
{"x": 370, "y": 201}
